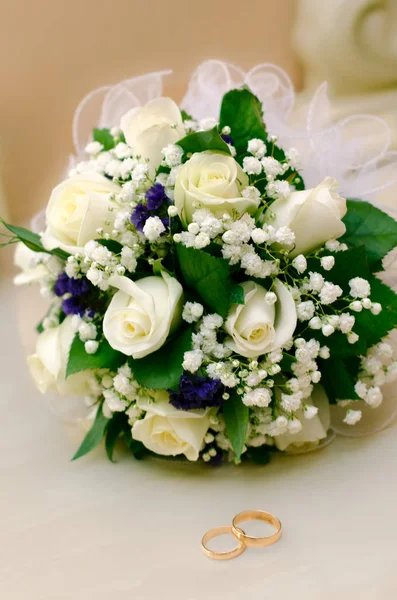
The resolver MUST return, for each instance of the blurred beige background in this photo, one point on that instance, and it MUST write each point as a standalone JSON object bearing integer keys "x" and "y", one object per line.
{"x": 55, "y": 51}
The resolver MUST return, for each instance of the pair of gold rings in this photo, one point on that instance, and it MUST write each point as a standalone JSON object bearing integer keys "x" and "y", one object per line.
{"x": 243, "y": 539}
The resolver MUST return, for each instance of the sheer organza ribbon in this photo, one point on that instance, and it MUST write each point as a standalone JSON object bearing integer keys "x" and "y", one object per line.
{"x": 104, "y": 106}
{"x": 354, "y": 150}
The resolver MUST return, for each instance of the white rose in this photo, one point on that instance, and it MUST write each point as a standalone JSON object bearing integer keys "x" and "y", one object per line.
{"x": 257, "y": 327}
{"x": 315, "y": 216}
{"x": 31, "y": 270}
{"x": 212, "y": 180}
{"x": 48, "y": 365}
{"x": 142, "y": 313}
{"x": 168, "y": 431}
{"x": 150, "y": 128}
{"x": 314, "y": 429}
{"x": 77, "y": 208}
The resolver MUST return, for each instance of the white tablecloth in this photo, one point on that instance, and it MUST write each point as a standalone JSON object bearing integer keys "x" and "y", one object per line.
{"x": 92, "y": 530}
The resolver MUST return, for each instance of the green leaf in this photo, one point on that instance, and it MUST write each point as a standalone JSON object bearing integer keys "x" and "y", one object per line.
{"x": 236, "y": 414}
{"x": 339, "y": 377}
{"x": 208, "y": 276}
{"x": 39, "y": 326}
{"x": 33, "y": 241}
{"x": 338, "y": 344}
{"x": 242, "y": 112}
{"x": 260, "y": 455}
{"x": 95, "y": 434}
{"x": 287, "y": 362}
{"x": 163, "y": 169}
{"x": 163, "y": 369}
{"x": 236, "y": 294}
{"x": 111, "y": 245}
{"x": 369, "y": 226}
{"x": 258, "y": 214}
{"x": 114, "y": 430}
{"x": 372, "y": 328}
{"x": 30, "y": 239}
{"x": 158, "y": 267}
{"x": 104, "y": 137}
{"x": 137, "y": 448}
{"x": 204, "y": 140}
{"x": 294, "y": 177}
{"x": 104, "y": 358}
{"x": 186, "y": 116}
{"x": 348, "y": 264}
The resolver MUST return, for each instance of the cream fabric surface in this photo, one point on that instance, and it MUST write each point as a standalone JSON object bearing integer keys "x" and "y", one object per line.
{"x": 92, "y": 530}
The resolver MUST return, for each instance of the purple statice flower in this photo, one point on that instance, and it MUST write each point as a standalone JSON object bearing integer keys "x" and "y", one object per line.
{"x": 166, "y": 222}
{"x": 69, "y": 285}
{"x": 196, "y": 391}
{"x": 155, "y": 196}
{"x": 139, "y": 216}
{"x": 79, "y": 291}
{"x": 61, "y": 286}
{"x": 73, "y": 306}
{"x": 228, "y": 139}
{"x": 79, "y": 287}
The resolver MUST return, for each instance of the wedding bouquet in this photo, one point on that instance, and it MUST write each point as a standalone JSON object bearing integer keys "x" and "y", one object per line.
{"x": 203, "y": 301}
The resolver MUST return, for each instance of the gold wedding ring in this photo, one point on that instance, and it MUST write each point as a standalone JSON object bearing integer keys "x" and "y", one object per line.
{"x": 256, "y": 515}
{"x": 221, "y": 555}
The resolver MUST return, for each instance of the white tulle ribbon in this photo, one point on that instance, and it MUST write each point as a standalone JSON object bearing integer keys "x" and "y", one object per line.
{"x": 355, "y": 150}
{"x": 104, "y": 106}
{"x": 69, "y": 409}
{"x": 208, "y": 84}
